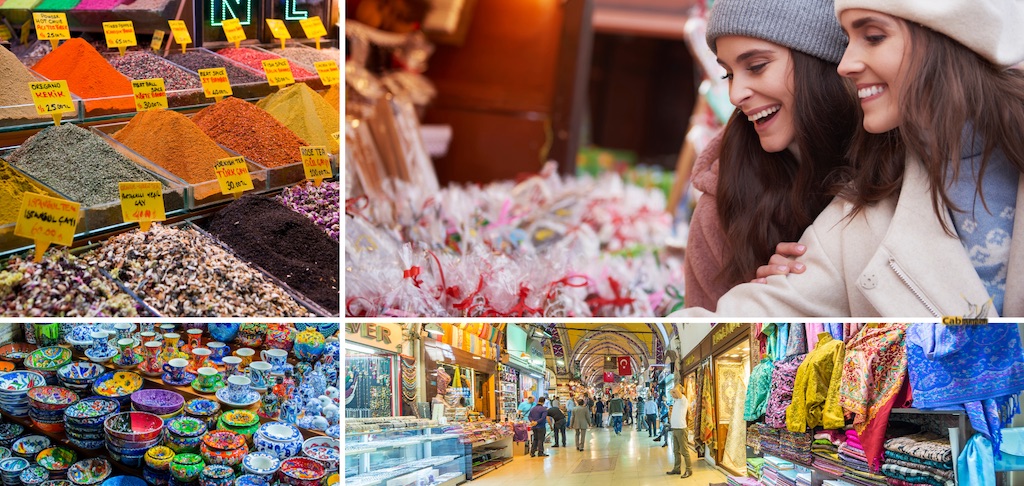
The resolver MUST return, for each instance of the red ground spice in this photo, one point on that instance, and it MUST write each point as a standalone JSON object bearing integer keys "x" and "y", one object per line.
{"x": 250, "y": 131}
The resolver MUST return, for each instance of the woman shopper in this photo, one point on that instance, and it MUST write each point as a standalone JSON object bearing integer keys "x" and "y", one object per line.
{"x": 771, "y": 171}
{"x": 925, "y": 226}
{"x": 580, "y": 423}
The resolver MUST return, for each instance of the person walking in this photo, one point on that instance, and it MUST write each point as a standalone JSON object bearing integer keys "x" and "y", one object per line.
{"x": 650, "y": 412}
{"x": 539, "y": 423}
{"x": 639, "y": 422}
{"x": 580, "y": 423}
{"x": 663, "y": 419}
{"x": 615, "y": 409}
{"x": 627, "y": 415}
{"x": 599, "y": 413}
{"x": 557, "y": 418}
{"x": 570, "y": 404}
{"x": 679, "y": 432}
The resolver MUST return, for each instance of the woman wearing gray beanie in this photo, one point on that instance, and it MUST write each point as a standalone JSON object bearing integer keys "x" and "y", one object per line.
{"x": 931, "y": 221}
{"x": 769, "y": 174}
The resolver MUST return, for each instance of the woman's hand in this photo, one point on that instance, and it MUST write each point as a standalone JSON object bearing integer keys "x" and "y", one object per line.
{"x": 782, "y": 262}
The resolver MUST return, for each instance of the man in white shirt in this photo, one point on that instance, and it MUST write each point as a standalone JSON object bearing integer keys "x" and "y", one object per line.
{"x": 677, "y": 413}
{"x": 651, "y": 414}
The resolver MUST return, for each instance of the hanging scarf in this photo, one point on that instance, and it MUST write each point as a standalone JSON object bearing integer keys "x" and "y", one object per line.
{"x": 874, "y": 373}
{"x": 771, "y": 342}
{"x": 781, "y": 394}
{"x": 707, "y": 422}
{"x": 797, "y": 340}
{"x": 783, "y": 336}
{"x": 980, "y": 367}
{"x": 698, "y": 412}
{"x": 757, "y": 393}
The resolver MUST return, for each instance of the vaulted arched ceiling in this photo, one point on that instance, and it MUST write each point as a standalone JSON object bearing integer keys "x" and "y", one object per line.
{"x": 582, "y": 348}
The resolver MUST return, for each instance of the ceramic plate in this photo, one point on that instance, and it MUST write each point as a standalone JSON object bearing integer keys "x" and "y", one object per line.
{"x": 56, "y": 458}
{"x": 202, "y": 406}
{"x": 251, "y": 397}
{"x": 117, "y": 384}
{"x": 30, "y": 445}
{"x": 195, "y": 386}
{"x": 89, "y": 471}
{"x": 186, "y": 378}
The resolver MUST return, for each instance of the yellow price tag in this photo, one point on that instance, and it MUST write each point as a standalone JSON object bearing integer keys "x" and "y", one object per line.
{"x": 233, "y": 31}
{"x": 158, "y": 39}
{"x": 233, "y": 176}
{"x": 26, "y": 29}
{"x": 278, "y": 71}
{"x": 279, "y": 31}
{"x": 328, "y": 71}
{"x": 215, "y": 83}
{"x": 336, "y": 136}
{"x": 149, "y": 94}
{"x": 5, "y": 33}
{"x": 314, "y": 29}
{"x": 46, "y": 220}
{"x": 52, "y": 98}
{"x": 142, "y": 202}
{"x": 51, "y": 26}
{"x": 120, "y": 34}
{"x": 180, "y": 32}
{"x": 316, "y": 162}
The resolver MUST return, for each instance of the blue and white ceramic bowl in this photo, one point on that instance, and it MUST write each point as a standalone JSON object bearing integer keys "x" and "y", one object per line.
{"x": 261, "y": 463}
{"x": 279, "y": 438}
{"x": 251, "y": 480}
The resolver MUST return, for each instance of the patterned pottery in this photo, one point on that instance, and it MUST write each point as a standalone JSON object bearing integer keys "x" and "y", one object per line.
{"x": 187, "y": 467}
{"x": 309, "y": 345}
{"x": 280, "y": 438}
{"x": 217, "y": 475}
{"x": 279, "y": 336}
{"x": 90, "y": 471}
{"x": 159, "y": 458}
{"x": 223, "y": 447}
{"x": 224, "y": 333}
{"x": 56, "y": 459}
{"x": 301, "y": 471}
{"x": 251, "y": 334}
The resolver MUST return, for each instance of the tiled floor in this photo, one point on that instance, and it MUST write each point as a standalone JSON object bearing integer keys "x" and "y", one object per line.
{"x": 607, "y": 460}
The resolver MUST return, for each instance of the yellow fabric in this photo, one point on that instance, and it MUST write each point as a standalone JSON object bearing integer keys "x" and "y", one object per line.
{"x": 816, "y": 390}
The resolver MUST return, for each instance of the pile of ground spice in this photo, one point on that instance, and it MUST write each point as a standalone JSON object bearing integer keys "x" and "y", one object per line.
{"x": 13, "y": 186}
{"x": 169, "y": 139}
{"x": 76, "y": 163}
{"x": 181, "y": 273}
{"x": 196, "y": 60}
{"x": 62, "y": 285}
{"x": 16, "y": 106}
{"x": 89, "y": 75}
{"x": 333, "y": 98}
{"x": 306, "y": 113}
{"x": 144, "y": 65}
{"x": 100, "y": 5}
{"x": 250, "y": 131}
{"x": 254, "y": 59}
{"x": 307, "y": 56}
{"x": 285, "y": 244}
{"x": 56, "y": 5}
{"x": 144, "y": 5}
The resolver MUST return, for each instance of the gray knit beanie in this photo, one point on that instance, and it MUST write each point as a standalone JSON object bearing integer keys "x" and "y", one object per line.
{"x": 808, "y": 26}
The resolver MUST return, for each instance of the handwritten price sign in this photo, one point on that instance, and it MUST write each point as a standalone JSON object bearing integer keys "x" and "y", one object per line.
{"x": 47, "y": 220}
{"x": 52, "y": 98}
{"x": 142, "y": 202}
{"x": 233, "y": 175}
{"x": 316, "y": 162}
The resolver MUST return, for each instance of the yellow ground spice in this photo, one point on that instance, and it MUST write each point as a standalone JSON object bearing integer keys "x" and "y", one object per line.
{"x": 306, "y": 113}
{"x": 333, "y": 98}
{"x": 13, "y": 186}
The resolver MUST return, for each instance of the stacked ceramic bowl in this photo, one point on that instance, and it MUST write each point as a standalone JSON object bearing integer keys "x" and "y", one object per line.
{"x": 280, "y": 438}
{"x": 325, "y": 450}
{"x": 33, "y": 476}
{"x": 262, "y": 465}
{"x": 46, "y": 405}
{"x": 83, "y": 421}
{"x": 46, "y": 361}
{"x": 14, "y": 387}
{"x": 10, "y": 470}
{"x": 301, "y": 471}
{"x": 158, "y": 466}
{"x": 89, "y": 472}
{"x": 118, "y": 385}
{"x": 223, "y": 447}
{"x": 242, "y": 422}
{"x": 203, "y": 409}
{"x": 9, "y": 432}
{"x": 56, "y": 461}
{"x": 130, "y": 434}
{"x": 28, "y": 446}
{"x": 184, "y": 434}
{"x": 166, "y": 404}
{"x": 79, "y": 376}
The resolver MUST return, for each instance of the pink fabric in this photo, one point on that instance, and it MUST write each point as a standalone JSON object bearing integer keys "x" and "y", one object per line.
{"x": 812, "y": 334}
{"x": 705, "y": 246}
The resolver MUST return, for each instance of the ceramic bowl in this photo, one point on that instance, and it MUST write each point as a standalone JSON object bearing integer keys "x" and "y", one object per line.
{"x": 90, "y": 471}
{"x": 34, "y": 475}
{"x": 251, "y": 480}
{"x": 324, "y": 450}
{"x": 301, "y": 471}
{"x": 134, "y": 426}
{"x": 6, "y": 366}
{"x": 92, "y": 411}
{"x": 58, "y": 482}
{"x": 159, "y": 458}
{"x": 16, "y": 352}
{"x": 123, "y": 481}
{"x": 186, "y": 427}
{"x": 30, "y": 445}
{"x": 262, "y": 464}
{"x": 56, "y": 458}
{"x": 18, "y": 383}
{"x": 52, "y": 398}
{"x": 187, "y": 467}
{"x": 48, "y": 359}
{"x": 158, "y": 401}
{"x": 117, "y": 384}
{"x": 217, "y": 475}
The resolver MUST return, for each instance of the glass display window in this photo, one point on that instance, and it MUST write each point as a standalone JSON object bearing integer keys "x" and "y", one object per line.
{"x": 732, "y": 373}
{"x": 369, "y": 385}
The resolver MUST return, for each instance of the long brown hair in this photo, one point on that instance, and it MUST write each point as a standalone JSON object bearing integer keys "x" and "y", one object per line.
{"x": 767, "y": 198}
{"x": 947, "y": 87}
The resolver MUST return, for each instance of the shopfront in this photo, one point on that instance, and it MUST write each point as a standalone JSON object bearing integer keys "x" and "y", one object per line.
{"x": 730, "y": 349}
{"x": 690, "y": 365}
{"x": 372, "y": 370}
{"x": 464, "y": 382}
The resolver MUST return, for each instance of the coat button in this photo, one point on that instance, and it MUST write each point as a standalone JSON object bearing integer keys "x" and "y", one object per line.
{"x": 868, "y": 281}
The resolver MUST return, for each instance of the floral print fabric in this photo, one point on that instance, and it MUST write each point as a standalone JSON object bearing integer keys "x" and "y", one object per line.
{"x": 757, "y": 390}
{"x": 781, "y": 394}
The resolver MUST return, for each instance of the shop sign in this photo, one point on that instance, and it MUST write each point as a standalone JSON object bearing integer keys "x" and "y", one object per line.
{"x": 142, "y": 202}
{"x": 384, "y": 336}
{"x": 723, "y": 332}
{"x": 690, "y": 360}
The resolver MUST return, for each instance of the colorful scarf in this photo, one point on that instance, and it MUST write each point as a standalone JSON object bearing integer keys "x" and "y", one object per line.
{"x": 707, "y": 419}
{"x": 797, "y": 343}
{"x": 781, "y": 395}
{"x": 757, "y": 391}
{"x": 980, "y": 367}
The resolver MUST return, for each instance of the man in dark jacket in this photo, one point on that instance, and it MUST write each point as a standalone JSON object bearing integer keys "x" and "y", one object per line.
{"x": 599, "y": 413}
{"x": 539, "y": 423}
{"x": 557, "y": 418}
{"x": 615, "y": 410}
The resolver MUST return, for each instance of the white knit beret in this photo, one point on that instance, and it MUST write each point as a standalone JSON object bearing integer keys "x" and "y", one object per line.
{"x": 992, "y": 28}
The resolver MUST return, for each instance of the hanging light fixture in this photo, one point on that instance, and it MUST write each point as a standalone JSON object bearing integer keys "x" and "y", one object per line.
{"x": 433, "y": 329}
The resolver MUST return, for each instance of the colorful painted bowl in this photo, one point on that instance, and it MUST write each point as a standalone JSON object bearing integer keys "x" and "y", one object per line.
{"x": 223, "y": 447}
{"x": 301, "y": 471}
{"x": 21, "y": 381}
{"x": 49, "y": 358}
{"x": 91, "y": 412}
{"x": 16, "y": 352}
{"x": 204, "y": 409}
{"x": 216, "y": 475}
{"x": 187, "y": 467}
{"x": 124, "y": 481}
{"x": 34, "y": 475}
{"x": 90, "y": 471}
{"x": 159, "y": 458}
{"x": 4, "y": 453}
{"x": 224, "y": 333}
{"x": 134, "y": 426}
{"x": 324, "y": 450}
{"x": 158, "y": 401}
{"x": 10, "y": 431}
{"x": 56, "y": 458}
{"x": 186, "y": 427}
{"x": 59, "y": 482}
{"x": 7, "y": 366}
{"x": 280, "y": 438}
{"x": 30, "y": 445}
{"x": 117, "y": 384}
{"x": 51, "y": 397}
{"x": 80, "y": 372}
{"x": 251, "y": 480}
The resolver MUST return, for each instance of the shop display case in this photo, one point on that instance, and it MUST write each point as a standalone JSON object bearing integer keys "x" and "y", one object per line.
{"x": 402, "y": 451}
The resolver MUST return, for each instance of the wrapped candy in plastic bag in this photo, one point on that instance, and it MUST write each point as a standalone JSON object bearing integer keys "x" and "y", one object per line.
{"x": 409, "y": 295}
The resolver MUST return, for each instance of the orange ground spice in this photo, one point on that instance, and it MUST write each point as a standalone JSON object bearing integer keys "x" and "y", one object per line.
{"x": 170, "y": 140}
{"x": 89, "y": 75}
